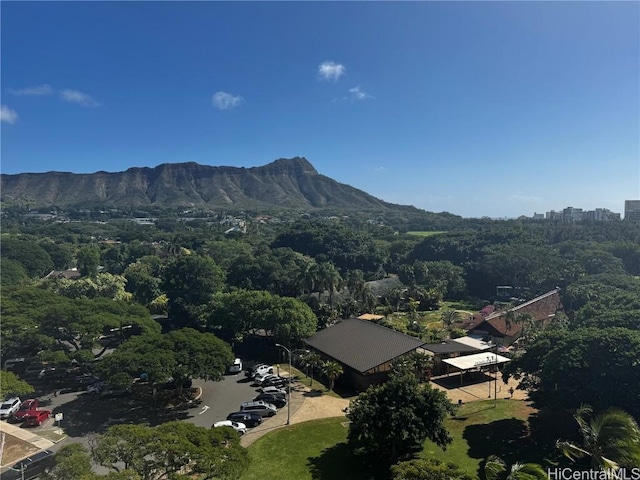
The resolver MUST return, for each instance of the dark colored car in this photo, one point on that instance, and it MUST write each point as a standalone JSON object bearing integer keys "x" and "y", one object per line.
{"x": 248, "y": 418}
{"x": 278, "y": 401}
{"x": 30, "y": 467}
{"x": 171, "y": 384}
{"x": 276, "y": 382}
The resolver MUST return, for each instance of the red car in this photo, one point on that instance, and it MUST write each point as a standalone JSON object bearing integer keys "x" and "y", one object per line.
{"x": 26, "y": 408}
{"x": 36, "y": 418}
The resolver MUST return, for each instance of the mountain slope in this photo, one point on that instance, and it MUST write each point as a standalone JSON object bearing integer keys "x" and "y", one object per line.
{"x": 288, "y": 183}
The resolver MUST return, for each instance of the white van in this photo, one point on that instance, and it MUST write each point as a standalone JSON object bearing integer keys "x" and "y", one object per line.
{"x": 236, "y": 367}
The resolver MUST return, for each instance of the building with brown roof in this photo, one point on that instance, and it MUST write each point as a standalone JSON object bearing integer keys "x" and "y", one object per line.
{"x": 505, "y": 331}
{"x": 365, "y": 350}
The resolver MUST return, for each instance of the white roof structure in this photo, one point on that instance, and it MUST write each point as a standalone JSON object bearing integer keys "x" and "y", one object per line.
{"x": 474, "y": 341}
{"x": 477, "y": 360}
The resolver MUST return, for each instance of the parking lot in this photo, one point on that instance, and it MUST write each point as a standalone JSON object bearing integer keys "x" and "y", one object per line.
{"x": 219, "y": 399}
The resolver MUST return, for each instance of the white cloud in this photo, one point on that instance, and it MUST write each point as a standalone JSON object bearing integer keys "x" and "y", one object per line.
{"x": 8, "y": 115}
{"x": 380, "y": 169}
{"x": 226, "y": 101}
{"x": 38, "y": 90}
{"x": 80, "y": 98}
{"x": 358, "y": 94}
{"x": 331, "y": 70}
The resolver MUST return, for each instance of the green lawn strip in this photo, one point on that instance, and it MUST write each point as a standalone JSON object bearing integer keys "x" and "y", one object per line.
{"x": 479, "y": 429}
{"x": 424, "y": 233}
{"x": 292, "y": 452}
{"x": 317, "y": 384}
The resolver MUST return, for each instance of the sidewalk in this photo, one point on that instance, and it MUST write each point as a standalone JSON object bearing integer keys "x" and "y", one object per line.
{"x": 20, "y": 443}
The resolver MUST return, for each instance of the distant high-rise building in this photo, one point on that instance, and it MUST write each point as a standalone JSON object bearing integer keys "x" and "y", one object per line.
{"x": 538, "y": 216}
{"x": 571, "y": 214}
{"x": 632, "y": 210}
{"x": 601, "y": 214}
{"x": 553, "y": 215}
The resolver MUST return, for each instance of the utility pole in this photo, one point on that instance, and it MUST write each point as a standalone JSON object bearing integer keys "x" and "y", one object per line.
{"x": 495, "y": 383}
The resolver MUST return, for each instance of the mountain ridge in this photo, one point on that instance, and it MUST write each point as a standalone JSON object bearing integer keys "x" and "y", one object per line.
{"x": 285, "y": 183}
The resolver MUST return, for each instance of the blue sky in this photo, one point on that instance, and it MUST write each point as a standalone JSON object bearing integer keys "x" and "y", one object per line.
{"x": 480, "y": 109}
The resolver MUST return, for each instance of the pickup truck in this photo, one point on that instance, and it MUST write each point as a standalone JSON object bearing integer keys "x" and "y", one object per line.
{"x": 36, "y": 418}
{"x": 26, "y": 408}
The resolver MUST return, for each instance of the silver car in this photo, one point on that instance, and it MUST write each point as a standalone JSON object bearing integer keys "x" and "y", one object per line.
{"x": 260, "y": 407}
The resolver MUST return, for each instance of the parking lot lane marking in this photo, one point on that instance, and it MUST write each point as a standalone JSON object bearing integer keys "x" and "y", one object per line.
{"x": 204, "y": 409}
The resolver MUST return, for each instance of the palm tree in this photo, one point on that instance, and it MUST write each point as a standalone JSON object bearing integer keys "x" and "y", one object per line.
{"x": 355, "y": 283}
{"x": 328, "y": 277}
{"x": 369, "y": 299}
{"x": 332, "y": 370}
{"x": 311, "y": 361}
{"x": 496, "y": 469}
{"x": 422, "y": 365}
{"x": 448, "y": 317}
{"x": 509, "y": 319}
{"x": 611, "y": 439}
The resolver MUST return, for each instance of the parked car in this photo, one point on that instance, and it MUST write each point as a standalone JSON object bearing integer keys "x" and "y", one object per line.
{"x": 260, "y": 379}
{"x": 171, "y": 384}
{"x": 275, "y": 400}
{"x": 248, "y": 418}
{"x": 36, "y": 418}
{"x": 241, "y": 428}
{"x": 251, "y": 371}
{"x": 277, "y": 382}
{"x": 275, "y": 390}
{"x": 49, "y": 372}
{"x": 27, "y": 407}
{"x": 103, "y": 389}
{"x": 261, "y": 408}
{"x": 95, "y": 388}
{"x": 263, "y": 370}
{"x": 33, "y": 370}
{"x": 85, "y": 379}
{"x": 236, "y": 367}
{"x": 11, "y": 363}
{"x": 30, "y": 467}
{"x": 111, "y": 391}
{"x": 9, "y": 407}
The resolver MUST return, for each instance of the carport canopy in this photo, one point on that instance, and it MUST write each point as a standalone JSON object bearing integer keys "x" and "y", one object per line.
{"x": 478, "y": 360}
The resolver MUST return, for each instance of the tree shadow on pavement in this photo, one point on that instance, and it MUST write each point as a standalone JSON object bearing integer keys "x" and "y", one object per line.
{"x": 90, "y": 414}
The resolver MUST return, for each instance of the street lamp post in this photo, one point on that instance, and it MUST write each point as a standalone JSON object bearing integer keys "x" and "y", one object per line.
{"x": 288, "y": 384}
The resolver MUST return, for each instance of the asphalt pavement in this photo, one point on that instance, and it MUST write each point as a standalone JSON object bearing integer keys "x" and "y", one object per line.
{"x": 219, "y": 399}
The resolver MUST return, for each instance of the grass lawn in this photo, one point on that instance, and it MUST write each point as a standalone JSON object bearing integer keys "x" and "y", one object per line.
{"x": 479, "y": 429}
{"x": 293, "y": 451}
{"x": 318, "y": 384}
{"x": 316, "y": 450}
{"x": 424, "y": 233}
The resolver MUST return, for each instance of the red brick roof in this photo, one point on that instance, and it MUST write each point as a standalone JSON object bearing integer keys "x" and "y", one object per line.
{"x": 541, "y": 309}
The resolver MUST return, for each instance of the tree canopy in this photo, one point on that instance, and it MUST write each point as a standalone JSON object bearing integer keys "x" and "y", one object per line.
{"x": 393, "y": 420}
{"x": 178, "y": 355}
{"x": 242, "y": 312}
{"x": 170, "y": 449}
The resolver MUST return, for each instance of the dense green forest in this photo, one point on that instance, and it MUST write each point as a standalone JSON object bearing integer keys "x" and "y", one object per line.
{"x": 290, "y": 278}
